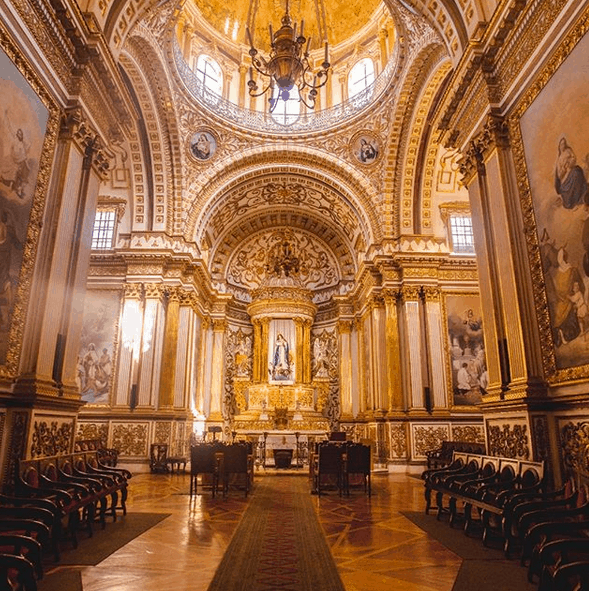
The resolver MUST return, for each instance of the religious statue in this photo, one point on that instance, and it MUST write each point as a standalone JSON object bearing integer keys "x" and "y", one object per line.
{"x": 281, "y": 365}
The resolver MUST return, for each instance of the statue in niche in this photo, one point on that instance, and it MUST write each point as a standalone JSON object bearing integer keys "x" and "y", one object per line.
{"x": 281, "y": 363}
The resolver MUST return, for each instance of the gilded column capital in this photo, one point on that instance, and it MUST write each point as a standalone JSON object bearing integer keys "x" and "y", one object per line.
{"x": 133, "y": 291}
{"x": 206, "y": 323}
{"x": 188, "y": 299}
{"x": 219, "y": 324}
{"x": 377, "y": 301}
{"x": 345, "y": 326}
{"x": 411, "y": 293}
{"x": 174, "y": 294}
{"x": 431, "y": 293}
{"x": 154, "y": 291}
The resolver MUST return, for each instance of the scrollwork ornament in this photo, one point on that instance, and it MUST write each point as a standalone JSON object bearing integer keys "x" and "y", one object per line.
{"x": 574, "y": 441}
{"x": 426, "y": 438}
{"x": 510, "y": 441}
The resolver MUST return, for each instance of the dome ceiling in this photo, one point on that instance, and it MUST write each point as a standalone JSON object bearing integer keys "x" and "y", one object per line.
{"x": 334, "y": 20}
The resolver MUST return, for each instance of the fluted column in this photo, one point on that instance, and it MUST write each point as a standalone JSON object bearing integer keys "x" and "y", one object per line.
{"x": 203, "y": 389}
{"x": 300, "y": 370}
{"x": 435, "y": 344}
{"x": 362, "y": 365}
{"x": 169, "y": 352}
{"x": 344, "y": 328}
{"x": 242, "y": 92}
{"x": 413, "y": 329}
{"x": 151, "y": 351}
{"x": 257, "y": 353}
{"x": 393, "y": 352}
{"x": 265, "y": 324}
{"x": 131, "y": 329}
{"x": 218, "y": 365}
{"x": 382, "y": 41}
{"x": 307, "y": 366}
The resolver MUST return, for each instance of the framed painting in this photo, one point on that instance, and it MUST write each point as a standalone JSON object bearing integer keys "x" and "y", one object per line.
{"x": 98, "y": 345}
{"x": 551, "y": 148}
{"x": 28, "y": 129}
{"x": 466, "y": 349}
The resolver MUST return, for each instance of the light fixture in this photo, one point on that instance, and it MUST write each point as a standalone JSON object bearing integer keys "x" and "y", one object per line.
{"x": 288, "y": 66}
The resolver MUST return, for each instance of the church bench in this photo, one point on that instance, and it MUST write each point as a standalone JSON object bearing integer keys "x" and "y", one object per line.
{"x": 443, "y": 455}
{"x": 107, "y": 455}
{"x": 483, "y": 484}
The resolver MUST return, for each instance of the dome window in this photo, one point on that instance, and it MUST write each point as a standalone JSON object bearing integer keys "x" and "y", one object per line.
{"x": 209, "y": 74}
{"x": 361, "y": 76}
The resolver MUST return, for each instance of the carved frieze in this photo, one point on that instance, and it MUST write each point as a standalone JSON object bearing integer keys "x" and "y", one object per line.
{"x": 427, "y": 437}
{"x": 510, "y": 440}
{"x": 131, "y": 439}
{"x": 50, "y": 438}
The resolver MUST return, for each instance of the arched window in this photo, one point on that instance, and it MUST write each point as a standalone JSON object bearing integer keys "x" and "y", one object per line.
{"x": 209, "y": 73}
{"x": 285, "y": 105}
{"x": 361, "y": 76}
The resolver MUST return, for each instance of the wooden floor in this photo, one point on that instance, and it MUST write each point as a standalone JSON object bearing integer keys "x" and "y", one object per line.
{"x": 370, "y": 540}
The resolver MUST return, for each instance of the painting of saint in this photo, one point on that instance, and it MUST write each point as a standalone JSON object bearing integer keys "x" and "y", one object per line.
{"x": 556, "y": 151}
{"x": 95, "y": 358}
{"x": 365, "y": 149}
{"x": 281, "y": 361}
{"x": 23, "y": 124}
{"x": 467, "y": 349}
{"x": 203, "y": 145}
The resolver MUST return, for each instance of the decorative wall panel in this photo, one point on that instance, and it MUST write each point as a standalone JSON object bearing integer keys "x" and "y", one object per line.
{"x": 509, "y": 438}
{"x": 51, "y": 436}
{"x": 425, "y": 437}
{"x": 91, "y": 430}
{"x": 131, "y": 439}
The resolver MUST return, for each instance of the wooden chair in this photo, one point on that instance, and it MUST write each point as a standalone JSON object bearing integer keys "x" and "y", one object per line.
{"x": 237, "y": 463}
{"x": 16, "y": 572}
{"x": 204, "y": 459}
{"x": 329, "y": 465}
{"x": 357, "y": 461}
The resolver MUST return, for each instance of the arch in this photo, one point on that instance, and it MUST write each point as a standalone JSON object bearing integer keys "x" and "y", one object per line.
{"x": 147, "y": 73}
{"x": 398, "y": 209}
{"x": 342, "y": 181}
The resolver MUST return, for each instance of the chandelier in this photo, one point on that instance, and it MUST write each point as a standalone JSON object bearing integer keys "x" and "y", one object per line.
{"x": 288, "y": 66}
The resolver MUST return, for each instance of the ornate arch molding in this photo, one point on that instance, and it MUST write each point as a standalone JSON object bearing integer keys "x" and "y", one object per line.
{"x": 420, "y": 84}
{"x": 324, "y": 172}
{"x": 420, "y": 158}
{"x": 147, "y": 74}
{"x": 454, "y": 22}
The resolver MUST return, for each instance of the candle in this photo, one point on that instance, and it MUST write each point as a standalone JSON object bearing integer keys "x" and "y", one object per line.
{"x": 326, "y": 54}
{"x": 249, "y": 36}
{"x": 302, "y": 27}
{"x": 308, "y": 45}
{"x": 251, "y": 73}
{"x": 271, "y": 33}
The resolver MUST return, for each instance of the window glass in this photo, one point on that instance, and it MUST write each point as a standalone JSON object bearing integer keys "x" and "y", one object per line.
{"x": 104, "y": 229}
{"x": 461, "y": 234}
{"x": 209, "y": 73}
{"x": 361, "y": 76}
{"x": 285, "y": 105}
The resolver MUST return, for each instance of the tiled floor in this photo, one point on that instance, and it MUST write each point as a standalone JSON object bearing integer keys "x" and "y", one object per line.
{"x": 370, "y": 540}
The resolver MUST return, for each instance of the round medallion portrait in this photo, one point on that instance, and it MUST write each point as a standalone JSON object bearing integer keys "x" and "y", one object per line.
{"x": 365, "y": 148}
{"x": 203, "y": 145}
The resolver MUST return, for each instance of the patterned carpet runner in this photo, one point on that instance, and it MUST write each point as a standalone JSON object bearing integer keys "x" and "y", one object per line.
{"x": 279, "y": 544}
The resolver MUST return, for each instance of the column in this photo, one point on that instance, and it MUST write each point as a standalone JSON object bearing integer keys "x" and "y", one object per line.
{"x": 378, "y": 356}
{"x": 184, "y": 357}
{"x": 344, "y": 329}
{"x": 265, "y": 325}
{"x": 382, "y": 41}
{"x": 203, "y": 390}
{"x": 169, "y": 352}
{"x": 435, "y": 345}
{"x": 218, "y": 373}
{"x": 257, "y": 353}
{"x": 414, "y": 336}
{"x": 307, "y": 365}
{"x": 393, "y": 352}
{"x": 363, "y": 370}
{"x": 299, "y": 355}
{"x": 130, "y": 346}
{"x": 154, "y": 318}
{"x": 51, "y": 334}
{"x": 242, "y": 92}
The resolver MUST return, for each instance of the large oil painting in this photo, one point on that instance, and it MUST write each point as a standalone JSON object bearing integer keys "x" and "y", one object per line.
{"x": 469, "y": 377}
{"x": 23, "y": 124}
{"x": 97, "y": 346}
{"x": 556, "y": 147}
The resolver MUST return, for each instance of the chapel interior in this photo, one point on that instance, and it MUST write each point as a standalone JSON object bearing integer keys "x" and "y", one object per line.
{"x": 385, "y": 235}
